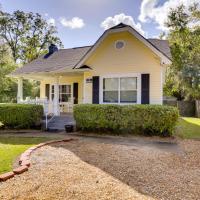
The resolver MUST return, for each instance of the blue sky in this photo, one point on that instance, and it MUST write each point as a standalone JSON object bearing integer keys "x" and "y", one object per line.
{"x": 81, "y": 22}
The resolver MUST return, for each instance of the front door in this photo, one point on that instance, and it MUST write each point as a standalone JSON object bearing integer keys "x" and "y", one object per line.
{"x": 65, "y": 97}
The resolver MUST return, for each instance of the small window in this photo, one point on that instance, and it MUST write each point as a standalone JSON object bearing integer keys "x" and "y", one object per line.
{"x": 119, "y": 44}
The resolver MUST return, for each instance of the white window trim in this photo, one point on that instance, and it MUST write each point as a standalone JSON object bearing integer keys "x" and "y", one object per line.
{"x": 72, "y": 94}
{"x": 129, "y": 75}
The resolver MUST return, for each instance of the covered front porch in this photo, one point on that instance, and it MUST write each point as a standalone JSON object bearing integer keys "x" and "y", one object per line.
{"x": 58, "y": 92}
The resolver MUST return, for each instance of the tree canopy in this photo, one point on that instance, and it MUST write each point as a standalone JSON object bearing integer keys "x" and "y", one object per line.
{"x": 27, "y": 34}
{"x": 23, "y": 37}
{"x": 183, "y": 77}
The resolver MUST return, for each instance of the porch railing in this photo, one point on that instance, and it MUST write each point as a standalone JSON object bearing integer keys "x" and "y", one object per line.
{"x": 47, "y": 107}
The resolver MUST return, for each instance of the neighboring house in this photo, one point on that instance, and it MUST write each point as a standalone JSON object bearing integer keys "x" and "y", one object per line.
{"x": 122, "y": 67}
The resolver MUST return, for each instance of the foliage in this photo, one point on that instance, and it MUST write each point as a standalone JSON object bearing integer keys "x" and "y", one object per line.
{"x": 8, "y": 87}
{"x": 21, "y": 115}
{"x": 23, "y": 37}
{"x": 183, "y": 77}
{"x": 145, "y": 119}
{"x": 188, "y": 127}
{"x": 27, "y": 34}
{"x": 1, "y": 124}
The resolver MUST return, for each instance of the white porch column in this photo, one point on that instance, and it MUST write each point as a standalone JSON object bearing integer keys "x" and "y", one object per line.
{"x": 56, "y": 97}
{"x": 20, "y": 90}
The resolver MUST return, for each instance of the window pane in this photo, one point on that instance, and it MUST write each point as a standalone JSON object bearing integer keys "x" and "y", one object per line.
{"x": 68, "y": 88}
{"x": 65, "y": 97}
{"x": 128, "y": 83}
{"x": 63, "y": 89}
{"x": 110, "y": 96}
{"x": 110, "y": 84}
{"x": 52, "y": 88}
{"x": 52, "y": 97}
{"x": 128, "y": 96}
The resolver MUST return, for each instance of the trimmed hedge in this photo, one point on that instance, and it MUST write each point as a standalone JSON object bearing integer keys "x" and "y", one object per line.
{"x": 138, "y": 119}
{"x": 21, "y": 115}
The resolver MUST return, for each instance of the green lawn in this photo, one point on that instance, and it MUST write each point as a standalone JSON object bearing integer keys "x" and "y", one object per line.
{"x": 188, "y": 127}
{"x": 13, "y": 146}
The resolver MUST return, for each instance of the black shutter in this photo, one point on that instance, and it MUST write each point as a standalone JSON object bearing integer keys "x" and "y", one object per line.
{"x": 75, "y": 92}
{"x": 145, "y": 78}
{"x": 95, "y": 89}
{"x": 47, "y": 89}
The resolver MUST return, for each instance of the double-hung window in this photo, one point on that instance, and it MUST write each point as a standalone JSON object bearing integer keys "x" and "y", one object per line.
{"x": 120, "y": 90}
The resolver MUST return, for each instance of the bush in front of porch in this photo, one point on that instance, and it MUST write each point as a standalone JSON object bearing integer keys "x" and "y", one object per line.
{"x": 137, "y": 119}
{"x": 20, "y": 116}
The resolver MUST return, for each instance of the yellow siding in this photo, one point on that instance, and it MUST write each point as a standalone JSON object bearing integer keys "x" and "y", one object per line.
{"x": 87, "y": 88}
{"x": 135, "y": 57}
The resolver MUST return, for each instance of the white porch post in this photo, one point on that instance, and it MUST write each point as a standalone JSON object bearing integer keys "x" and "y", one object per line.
{"x": 56, "y": 97}
{"x": 20, "y": 90}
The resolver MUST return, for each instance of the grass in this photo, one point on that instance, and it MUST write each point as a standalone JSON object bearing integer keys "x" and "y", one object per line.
{"x": 13, "y": 146}
{"x": 188, "y": 128}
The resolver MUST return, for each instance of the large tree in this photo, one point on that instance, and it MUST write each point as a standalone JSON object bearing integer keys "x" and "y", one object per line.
{"x": 23, "y": 37}
{"x": 8, "y": 86}
{"x": 27, "y": 34}
{"x": 183, "y": 77}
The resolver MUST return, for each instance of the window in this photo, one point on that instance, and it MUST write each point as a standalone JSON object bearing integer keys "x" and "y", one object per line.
{"x": 64, "y": 93}
{"x": 120, "y": 90}
{"x": 128, "y": 90}
{"x": 110, "y": 90}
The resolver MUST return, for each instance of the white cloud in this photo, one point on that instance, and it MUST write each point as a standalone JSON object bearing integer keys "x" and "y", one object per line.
{"x": 73, "y": 23}
{"x": 51, "y": 21}
{"x": 151, "y": 11}
{"x": 121, "y": 18}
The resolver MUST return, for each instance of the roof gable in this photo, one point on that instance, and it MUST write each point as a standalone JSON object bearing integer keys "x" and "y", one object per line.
{"x": 120, "y": 28}
{"x": 74, "y": 58}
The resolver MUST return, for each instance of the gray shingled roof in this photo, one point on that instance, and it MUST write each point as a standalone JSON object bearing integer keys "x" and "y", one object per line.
{"x": 63, "y": 58}
{"x": 162, "y": 45}
{"x": 68, "y": 58}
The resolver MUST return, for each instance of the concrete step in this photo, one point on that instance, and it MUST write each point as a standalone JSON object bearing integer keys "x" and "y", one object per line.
{"x": 58, "y": 123}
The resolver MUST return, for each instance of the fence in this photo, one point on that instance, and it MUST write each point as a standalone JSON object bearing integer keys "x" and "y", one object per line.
{"x": 186, "y": 108}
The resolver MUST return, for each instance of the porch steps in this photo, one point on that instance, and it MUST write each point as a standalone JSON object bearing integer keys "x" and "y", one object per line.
{"x": 57, "y": 124}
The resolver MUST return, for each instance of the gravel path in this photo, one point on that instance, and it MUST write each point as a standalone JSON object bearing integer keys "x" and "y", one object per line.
{"x": 101, "y": 169}
{"x": 148, "y": 169}
{"x": 57, "y": 173}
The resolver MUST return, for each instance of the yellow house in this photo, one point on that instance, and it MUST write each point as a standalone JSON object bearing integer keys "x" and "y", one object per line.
{"x": 122, "y": 67}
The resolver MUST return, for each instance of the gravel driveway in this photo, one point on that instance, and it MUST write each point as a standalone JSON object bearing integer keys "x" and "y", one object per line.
{"x": 102, "y": 168}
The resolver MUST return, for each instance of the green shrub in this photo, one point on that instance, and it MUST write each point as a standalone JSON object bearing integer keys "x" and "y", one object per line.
{"x": 139, "y": 119}
{"x": 20, "y": 115}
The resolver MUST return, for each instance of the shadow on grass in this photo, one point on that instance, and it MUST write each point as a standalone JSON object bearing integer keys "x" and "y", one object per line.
{"x": 188, "y": 128}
